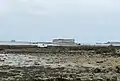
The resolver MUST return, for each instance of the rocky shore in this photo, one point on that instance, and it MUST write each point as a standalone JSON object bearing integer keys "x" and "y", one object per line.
{"x": 59, "y": 67}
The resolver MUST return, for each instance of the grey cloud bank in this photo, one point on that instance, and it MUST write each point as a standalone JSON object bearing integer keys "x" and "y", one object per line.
{"x": 42, "y": 20}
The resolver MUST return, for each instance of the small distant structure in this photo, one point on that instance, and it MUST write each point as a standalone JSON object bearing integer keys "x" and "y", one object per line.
{"x": 13, "y": 41}
{"x": 112, "y": 43}
{"x": 71, "y": 41}
{"x": 64, "y": 42}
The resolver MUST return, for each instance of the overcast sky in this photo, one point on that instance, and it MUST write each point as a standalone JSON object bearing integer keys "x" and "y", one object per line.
{"x": 43, "y": 20}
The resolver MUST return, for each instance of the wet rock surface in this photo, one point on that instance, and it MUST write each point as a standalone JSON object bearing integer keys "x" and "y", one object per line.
{"x": 59, "y": 67}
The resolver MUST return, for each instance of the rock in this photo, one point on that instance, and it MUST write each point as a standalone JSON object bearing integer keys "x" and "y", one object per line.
{"x": 100, "y": 61}
{"x": 97, "y": 70}
{"x": 118, "y": 68}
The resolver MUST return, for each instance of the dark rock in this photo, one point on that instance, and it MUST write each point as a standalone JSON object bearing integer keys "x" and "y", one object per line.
{"x": 97, "y": 70}
{"x": 118, "y": 69}
{"x": 99, "y": 61}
